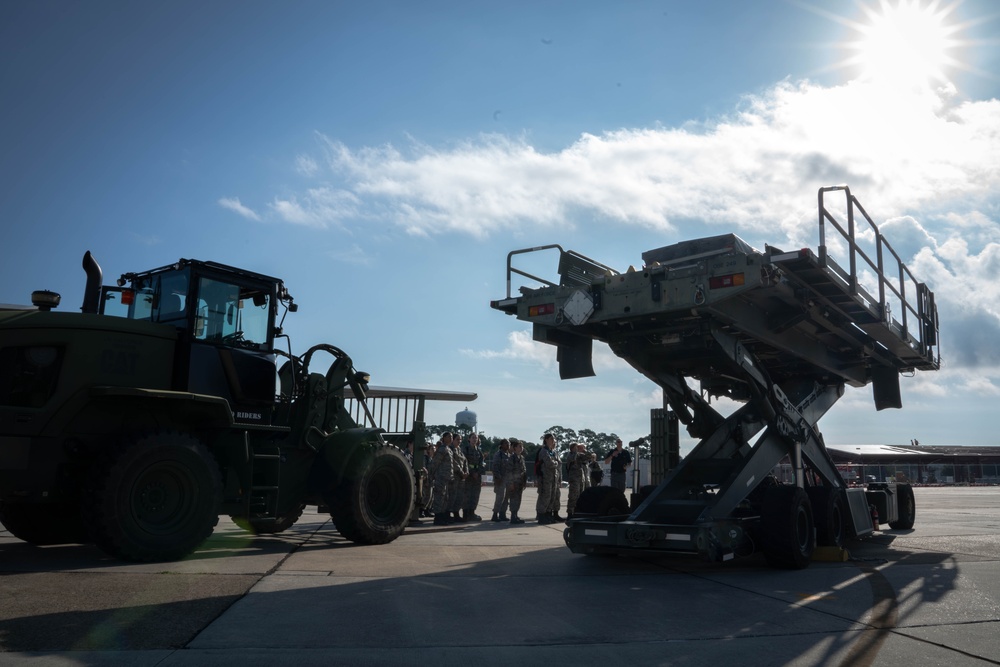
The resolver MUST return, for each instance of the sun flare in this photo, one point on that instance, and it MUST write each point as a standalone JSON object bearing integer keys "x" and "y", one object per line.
{"x": 904, "y": 44}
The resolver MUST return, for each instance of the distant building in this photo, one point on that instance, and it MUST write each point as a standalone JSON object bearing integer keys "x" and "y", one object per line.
{"x": 918, "y": 464}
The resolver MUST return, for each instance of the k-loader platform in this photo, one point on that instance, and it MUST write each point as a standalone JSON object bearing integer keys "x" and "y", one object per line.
{"x": 781, "y": 333}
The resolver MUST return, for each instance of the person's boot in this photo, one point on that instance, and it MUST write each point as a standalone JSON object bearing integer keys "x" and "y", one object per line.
{"x": 457, "y": 518}
{"x": 514, "y": 519}
{"x": 474, "y": 517}
{"x": 495, "y": 517}
{"x": 556, "y": 517}
{"x": 543, "y": 519}
{"x": 441, "y": 519}
{"x": 503, "y": 517}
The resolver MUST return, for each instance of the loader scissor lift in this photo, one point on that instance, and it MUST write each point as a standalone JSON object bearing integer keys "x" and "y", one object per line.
{"x": 780, "y": 332}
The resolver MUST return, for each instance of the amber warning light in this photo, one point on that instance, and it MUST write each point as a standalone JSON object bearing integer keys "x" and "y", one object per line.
{"x": 732, "y": 280}
{"x": 543, "y": 309}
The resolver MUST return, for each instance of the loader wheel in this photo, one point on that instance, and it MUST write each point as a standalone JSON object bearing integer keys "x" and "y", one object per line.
{"x": 268, "y": 526}
{"x": 41, "y": 525}
{"x": 786, "y": 524}
{"x": 829, "y": 515}
{"x": 602, "y": 501}
{"x": 906, "y": 506}
{"x": 155, "y": 498}
{"x": 372, "y": 505}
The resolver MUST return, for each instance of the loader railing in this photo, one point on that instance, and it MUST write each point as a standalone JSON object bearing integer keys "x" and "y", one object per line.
{"x": 914, "y": 302}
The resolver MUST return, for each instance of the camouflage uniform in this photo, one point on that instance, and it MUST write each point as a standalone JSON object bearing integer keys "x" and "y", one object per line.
{"x": 501, "y": 465}
{"x": 577, "y": 469}
{"x": 456, "y": 490}
{"x": 474, "y": 484}
{"x": 596, "y": 473}
{"x": 442, "y": 472}
{"x": 547, "y": 505}
{"x": 515, "y": 479}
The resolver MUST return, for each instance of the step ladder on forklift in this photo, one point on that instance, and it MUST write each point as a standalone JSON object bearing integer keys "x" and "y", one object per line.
{"x": 781, "y": 333}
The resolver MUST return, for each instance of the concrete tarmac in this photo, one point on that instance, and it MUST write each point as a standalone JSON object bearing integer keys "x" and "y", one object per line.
{"x": 495, "y": 594}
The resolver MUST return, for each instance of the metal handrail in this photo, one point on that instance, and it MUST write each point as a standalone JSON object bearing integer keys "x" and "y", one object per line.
{"x": 923, "y": 311}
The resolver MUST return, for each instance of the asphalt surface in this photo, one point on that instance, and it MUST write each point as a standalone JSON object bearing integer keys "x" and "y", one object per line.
{"x": 495, "y": 594}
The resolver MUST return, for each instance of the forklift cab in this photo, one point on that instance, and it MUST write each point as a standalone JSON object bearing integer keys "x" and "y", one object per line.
{"x": 225, "y": 319}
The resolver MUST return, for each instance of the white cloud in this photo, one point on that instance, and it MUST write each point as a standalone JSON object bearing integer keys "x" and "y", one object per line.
{"x": 353, "y": 254}
{"x": 319, "y": 207}
{"x": 751, "y": 170}
{"x": 306, "y": 165}
{"x": 234, "y": 204}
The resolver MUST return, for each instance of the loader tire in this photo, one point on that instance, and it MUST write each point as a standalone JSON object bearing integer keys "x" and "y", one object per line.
{"x": 42, "y": 525}
{"x": 373, "y": 503}
{"x": 906, "y": 506}
{"x": 601, "y": 501}
{"x": 154, "y": 498}
{"x": 829, "y": 508}
{"x": 267, "y": 526}
{"x": 786, "y": 523}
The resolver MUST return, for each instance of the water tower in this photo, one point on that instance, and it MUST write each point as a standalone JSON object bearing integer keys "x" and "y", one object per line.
{"x": 466, "y": 418}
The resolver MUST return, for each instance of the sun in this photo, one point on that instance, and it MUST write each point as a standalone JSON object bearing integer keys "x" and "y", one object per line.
{"x": 904, "y": 44}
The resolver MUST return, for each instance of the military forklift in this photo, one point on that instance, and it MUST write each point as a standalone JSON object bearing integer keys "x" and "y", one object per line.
{"x": 168, "y": 402}
{"x": 780, "y": 334}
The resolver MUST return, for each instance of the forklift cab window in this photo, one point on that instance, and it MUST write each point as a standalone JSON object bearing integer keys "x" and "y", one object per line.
{"x": 171, "y": 299}
{"x": 231, "y": 315}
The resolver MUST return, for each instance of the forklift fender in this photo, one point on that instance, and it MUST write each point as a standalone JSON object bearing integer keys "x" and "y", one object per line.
{"x": 339, "y": 452}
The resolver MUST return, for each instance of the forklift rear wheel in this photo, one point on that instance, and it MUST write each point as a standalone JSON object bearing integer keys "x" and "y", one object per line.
{"x": 906, "y": 506}
{"x": 602, "y": 501}
{"x": 372, "y": 505}
{"x": 154, "y": 498}
{"x": 787, "y": 533}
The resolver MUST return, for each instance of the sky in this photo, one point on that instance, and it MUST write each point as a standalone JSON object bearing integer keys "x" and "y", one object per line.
{"x": 384, "y": 157}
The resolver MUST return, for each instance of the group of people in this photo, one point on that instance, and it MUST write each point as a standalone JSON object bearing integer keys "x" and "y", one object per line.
{"x": 454, "y": 478}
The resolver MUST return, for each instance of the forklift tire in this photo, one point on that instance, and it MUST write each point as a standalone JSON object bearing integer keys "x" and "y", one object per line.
{"x": 906, "y": 508}
{"x": 601, "y": 501}
{"x": 373, "y": 503}
{"x": 829, "y": 515}
{"x": 155, "y": 498}
{"x": 786, "y": 522}
{"x": 268, "y": 526}
{"x": 44, "y": 524}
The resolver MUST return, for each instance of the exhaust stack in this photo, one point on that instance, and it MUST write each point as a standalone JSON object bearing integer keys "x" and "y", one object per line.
{"x": 92, "y": 292}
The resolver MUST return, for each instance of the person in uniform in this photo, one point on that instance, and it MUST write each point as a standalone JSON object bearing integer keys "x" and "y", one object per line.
{"x": 442, "y": 472}
{"x": 456, "y": 490}
{"x": 547, "y": 505}
{"x": 474, "y": 484}
{"x": 577, "y": 471}
{"x": 500, "y": 464}
{"x": 515, "y": 479}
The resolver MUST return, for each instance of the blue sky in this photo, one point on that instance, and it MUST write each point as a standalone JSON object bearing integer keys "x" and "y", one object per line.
{"x": 383, "y": 158}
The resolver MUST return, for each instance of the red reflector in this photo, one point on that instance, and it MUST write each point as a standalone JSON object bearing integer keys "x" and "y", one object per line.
{"x": 543, "y": 309}
{"x": 128, "y": 296}
{"x": 732, "y": 280}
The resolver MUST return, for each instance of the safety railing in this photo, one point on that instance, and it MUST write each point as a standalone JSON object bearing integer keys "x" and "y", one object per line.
{"x": 895, "y": 283}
